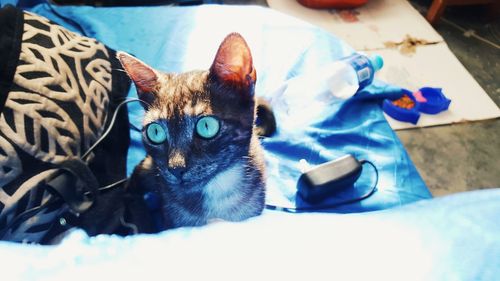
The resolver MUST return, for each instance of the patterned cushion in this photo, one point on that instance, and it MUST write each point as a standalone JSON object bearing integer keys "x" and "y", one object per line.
{"x": 57, "y": 92}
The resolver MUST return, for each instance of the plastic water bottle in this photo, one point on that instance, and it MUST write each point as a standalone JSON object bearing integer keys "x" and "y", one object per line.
{"x": 301, "y": 100}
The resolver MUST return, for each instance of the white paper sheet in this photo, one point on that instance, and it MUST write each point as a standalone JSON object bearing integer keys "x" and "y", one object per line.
{"x": 377, "y": 22}
{"x": 371, "y": 27}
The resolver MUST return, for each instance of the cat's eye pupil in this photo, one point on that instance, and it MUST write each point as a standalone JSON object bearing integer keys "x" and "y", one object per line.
{"x": 207, "y": 127}
{"x": 156, "y": 133}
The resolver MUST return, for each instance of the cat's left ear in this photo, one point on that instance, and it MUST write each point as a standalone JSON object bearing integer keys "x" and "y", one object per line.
{"x": 233, "y": 63}
{"x": 143, "y": 76}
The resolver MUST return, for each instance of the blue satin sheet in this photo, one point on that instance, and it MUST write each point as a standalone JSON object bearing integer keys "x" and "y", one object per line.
{"x": 176, "y": 39}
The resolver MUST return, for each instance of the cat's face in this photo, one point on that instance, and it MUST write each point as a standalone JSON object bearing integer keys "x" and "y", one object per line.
{"x": 197, "y": 124}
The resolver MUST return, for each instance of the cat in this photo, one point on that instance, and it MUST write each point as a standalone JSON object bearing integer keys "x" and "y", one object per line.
{"x": 204, "y": 160}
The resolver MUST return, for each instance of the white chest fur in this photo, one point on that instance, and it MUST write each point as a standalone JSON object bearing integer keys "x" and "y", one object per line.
{"x": 223, "y": 192}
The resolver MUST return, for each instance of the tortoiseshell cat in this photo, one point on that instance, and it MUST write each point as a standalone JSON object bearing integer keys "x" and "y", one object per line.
{"x": 204, "y": 160}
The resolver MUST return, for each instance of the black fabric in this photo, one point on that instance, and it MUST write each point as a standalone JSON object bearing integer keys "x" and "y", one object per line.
{"x": 75, "y": 184}
{"x": 11, "y": 28}
{"x": 45, "y": 125}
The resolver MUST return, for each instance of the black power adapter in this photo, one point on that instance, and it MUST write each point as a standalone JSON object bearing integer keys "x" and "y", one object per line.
{"x": 329, "y": 178}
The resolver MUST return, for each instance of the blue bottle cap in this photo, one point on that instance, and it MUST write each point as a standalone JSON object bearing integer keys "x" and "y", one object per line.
{"x": 435, "y": 100}
{"x": 402, "y": 114}
{"x": 377, "y": 62}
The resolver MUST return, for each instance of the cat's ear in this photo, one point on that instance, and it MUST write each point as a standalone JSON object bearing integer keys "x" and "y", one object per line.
{"x": 233, "y": 63}
{"x": 144, "y": 77}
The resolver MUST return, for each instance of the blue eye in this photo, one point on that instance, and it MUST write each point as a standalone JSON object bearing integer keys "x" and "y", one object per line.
{"x": 207, "y": 127}
{"x": 156, "y": 133}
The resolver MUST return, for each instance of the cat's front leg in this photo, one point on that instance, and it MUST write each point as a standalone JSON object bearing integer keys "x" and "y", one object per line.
{"x": 138, "y": 213}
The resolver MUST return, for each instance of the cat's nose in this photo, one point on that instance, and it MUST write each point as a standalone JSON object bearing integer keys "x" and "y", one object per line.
{"x": 176, "y": 163}
{"x": 177, "y": 171}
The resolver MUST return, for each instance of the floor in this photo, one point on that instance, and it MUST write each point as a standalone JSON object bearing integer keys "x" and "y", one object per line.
{"x": 463, "y": 156}
{"x": 471, "y": 159}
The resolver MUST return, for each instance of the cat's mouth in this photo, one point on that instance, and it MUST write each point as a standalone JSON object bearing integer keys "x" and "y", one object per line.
{"x": 169, "y": 177}
{"x": 189, "y": 177}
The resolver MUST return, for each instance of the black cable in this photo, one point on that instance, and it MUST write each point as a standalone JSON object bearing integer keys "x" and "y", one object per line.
{"x": 330, "y": 206}
{"x": 112, "y": 122}
{"x": 134, "y": 127}
{"x": 109, "y": 186}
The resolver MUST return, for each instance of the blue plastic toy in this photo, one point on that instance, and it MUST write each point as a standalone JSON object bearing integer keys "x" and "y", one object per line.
{"x": 427, "y": 100}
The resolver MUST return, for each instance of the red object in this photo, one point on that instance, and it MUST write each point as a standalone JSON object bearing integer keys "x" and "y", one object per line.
{"x": 329, "y": 4}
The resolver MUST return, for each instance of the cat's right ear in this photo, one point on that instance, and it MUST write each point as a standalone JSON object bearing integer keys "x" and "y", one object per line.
{"x": 144, "y": 77}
